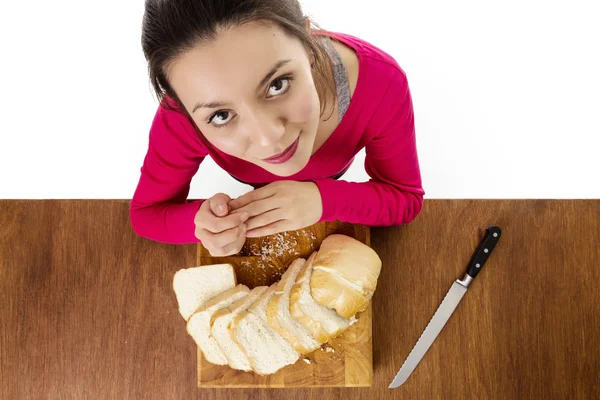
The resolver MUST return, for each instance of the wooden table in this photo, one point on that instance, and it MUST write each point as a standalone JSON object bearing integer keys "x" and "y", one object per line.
{"x": 87, "y": 310}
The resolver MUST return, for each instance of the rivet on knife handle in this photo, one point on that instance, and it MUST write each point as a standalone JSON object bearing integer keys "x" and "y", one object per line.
{"x": 483, "y": 251}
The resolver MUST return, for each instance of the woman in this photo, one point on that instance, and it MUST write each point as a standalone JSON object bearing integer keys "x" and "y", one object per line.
{"x": 278, "y": 106}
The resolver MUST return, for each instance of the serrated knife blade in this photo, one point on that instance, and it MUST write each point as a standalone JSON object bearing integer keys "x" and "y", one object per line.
{"x": 448, "y": 305}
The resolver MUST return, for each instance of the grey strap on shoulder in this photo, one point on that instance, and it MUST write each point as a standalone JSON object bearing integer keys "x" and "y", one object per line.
{"x": 340, "y": 76}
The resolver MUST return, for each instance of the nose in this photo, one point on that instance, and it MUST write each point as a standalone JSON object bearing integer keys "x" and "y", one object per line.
{"x": 264, "y": 129}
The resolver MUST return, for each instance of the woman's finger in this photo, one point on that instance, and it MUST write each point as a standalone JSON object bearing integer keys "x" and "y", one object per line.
{"x": 235, "y": 247}
{"x": 229, "y": 249}
{"x": 265, "y": 219}
{"x": 261, "y": 206}
{"x": 221, "y": 224}
{"x": 225, "y": 238}
{"x": 271, "y": 229}
{"x": 257, "y": 194}
{"x": 218, "y": 204}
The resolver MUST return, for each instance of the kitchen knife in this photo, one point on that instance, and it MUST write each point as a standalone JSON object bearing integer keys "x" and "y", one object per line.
{"x": 448, "y": 305}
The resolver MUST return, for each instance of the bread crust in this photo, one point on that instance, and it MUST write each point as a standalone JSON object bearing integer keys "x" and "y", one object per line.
{"x": 345, "y": 274}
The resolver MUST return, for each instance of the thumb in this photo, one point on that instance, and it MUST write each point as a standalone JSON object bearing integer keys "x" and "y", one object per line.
{"x": 219, "y": 204}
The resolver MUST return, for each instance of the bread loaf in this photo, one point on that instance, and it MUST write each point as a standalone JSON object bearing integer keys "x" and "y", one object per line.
{"x": 323, "y": 322}
{"x": 345, "y": 273}
{"x": 267, "y": 328}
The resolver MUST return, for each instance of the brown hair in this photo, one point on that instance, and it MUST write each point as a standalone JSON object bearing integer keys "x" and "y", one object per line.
{"x": 172, "y": 27}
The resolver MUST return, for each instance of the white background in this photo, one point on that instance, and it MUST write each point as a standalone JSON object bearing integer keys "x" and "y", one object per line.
{"x": 506, "y": 95}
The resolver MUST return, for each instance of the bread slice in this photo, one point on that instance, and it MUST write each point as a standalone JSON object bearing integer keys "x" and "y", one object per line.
{"x": 220, "y": 329}
{"x": 266, "y": 349}
{"x": 198, "y": 325}
{"x": 195, "y": 286}
{"x": 279, "y": 317}
{"x": 323, "y": 322}
{"x": 345, "y": 273}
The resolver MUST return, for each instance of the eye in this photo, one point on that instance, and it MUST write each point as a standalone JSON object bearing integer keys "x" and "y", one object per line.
{"x": 279, "y": 86}
{"x": 221, "y": 118}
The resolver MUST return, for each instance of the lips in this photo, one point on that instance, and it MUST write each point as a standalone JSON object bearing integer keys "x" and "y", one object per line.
{"x": 284, "y": 155}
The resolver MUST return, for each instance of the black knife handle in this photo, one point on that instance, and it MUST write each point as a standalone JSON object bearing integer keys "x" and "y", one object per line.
{"x": 487, "y": 244}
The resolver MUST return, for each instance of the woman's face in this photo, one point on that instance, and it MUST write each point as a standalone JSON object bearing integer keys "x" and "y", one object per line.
{"x": 252, "y": 95}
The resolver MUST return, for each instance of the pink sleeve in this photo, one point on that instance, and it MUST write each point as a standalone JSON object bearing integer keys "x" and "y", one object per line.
{"x": 159, "y": 210}
{"x": 394, "y": 194}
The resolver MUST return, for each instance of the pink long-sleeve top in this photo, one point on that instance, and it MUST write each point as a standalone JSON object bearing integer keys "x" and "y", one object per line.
{"x": 379, "y": 118}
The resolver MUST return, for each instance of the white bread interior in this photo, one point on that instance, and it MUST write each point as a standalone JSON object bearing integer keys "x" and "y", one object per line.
{"x": 279, "y": 317}
{"x": 265, "y": 348}
{"x": 198, "y": 325}
{"x": 220, "y": 329}
{"x": 195, "y": 286}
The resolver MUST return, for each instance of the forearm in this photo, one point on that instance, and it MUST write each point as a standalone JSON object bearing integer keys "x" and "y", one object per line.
{"x": 369, "y": 203}
{"x": 171, "y": 223}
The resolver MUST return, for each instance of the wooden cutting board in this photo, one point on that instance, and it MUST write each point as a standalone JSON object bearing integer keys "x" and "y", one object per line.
{"x": 346, "y": 361}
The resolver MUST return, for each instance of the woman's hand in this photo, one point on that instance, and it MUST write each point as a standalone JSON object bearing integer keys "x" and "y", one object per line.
{"x": 280, "y": 206}
{"x": 222, "y": 233}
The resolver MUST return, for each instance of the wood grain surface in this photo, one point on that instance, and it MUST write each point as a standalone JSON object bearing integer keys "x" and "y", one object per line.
{"x": 346, "y": 360}
{"x": 87, "y": 309}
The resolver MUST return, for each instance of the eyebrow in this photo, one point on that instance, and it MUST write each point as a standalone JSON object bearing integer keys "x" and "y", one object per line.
{"x": 268, "y": 76}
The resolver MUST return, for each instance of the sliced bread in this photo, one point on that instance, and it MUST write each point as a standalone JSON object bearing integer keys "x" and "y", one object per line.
{"x": 344, "y": 276}
{"x": 279, "y": 317}
{"x": 220, "y": 329}
{"x": 195, "y": 286}
{"x": 198, "y": 325}
{"x": 265, "y": 348}
{"x": 323, "y": 322}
